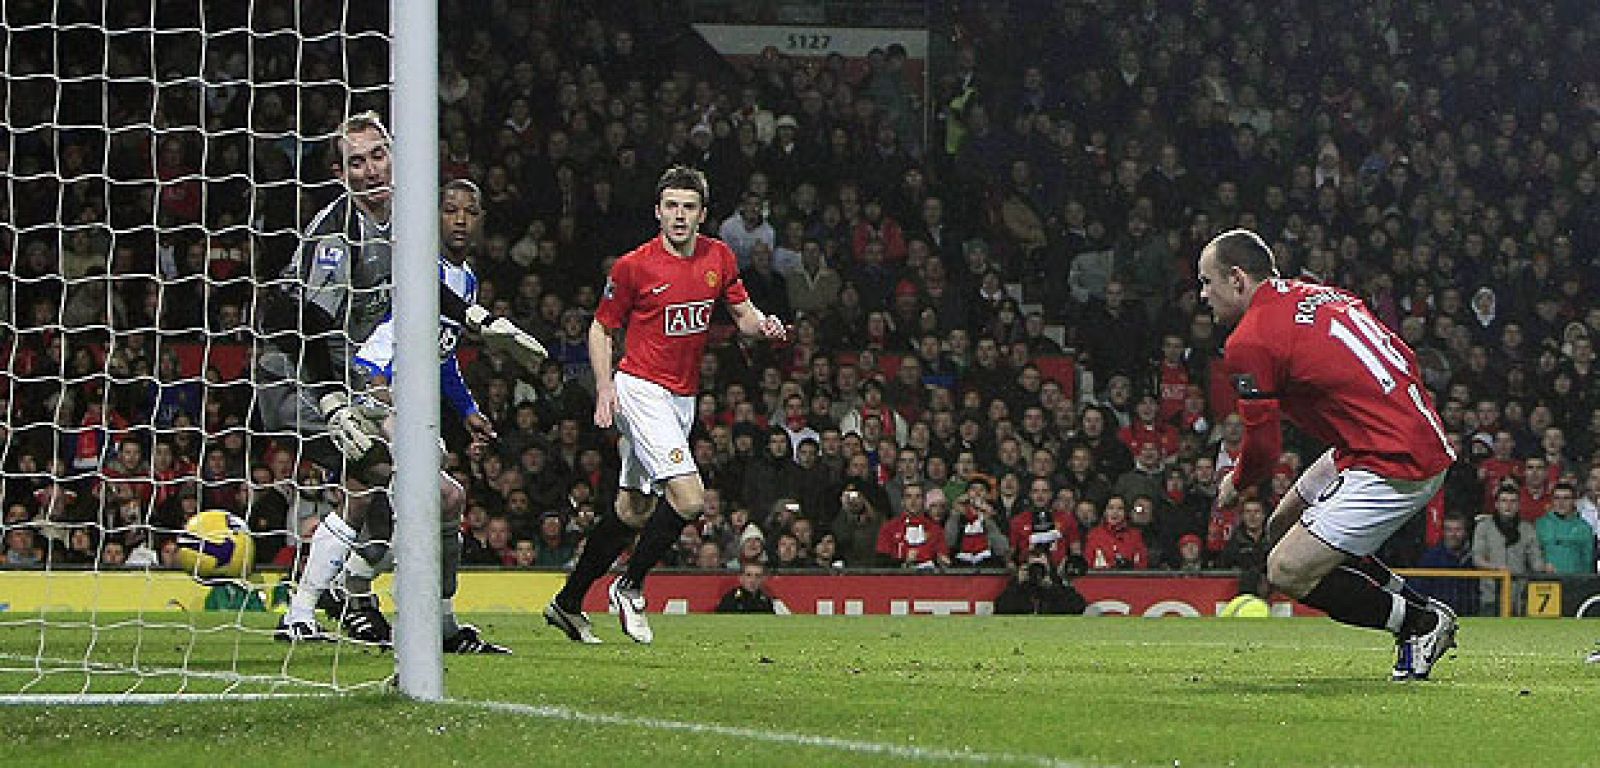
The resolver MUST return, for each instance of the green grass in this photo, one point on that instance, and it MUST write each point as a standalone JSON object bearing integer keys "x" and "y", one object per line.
{"x": 1087, "y": 691}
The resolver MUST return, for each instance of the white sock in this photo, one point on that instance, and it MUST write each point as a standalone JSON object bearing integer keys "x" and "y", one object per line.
{"x": 1397, "y": 613}
{"x": 330, "y": 547}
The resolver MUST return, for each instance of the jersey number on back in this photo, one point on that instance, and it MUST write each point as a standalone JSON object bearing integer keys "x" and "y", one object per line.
{"x": 1377, "y": 342}
{"x": 1374, "y": 347}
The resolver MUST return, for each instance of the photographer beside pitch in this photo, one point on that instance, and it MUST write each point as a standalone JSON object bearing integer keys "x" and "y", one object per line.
{"x": 1316, "y": 355}
{"x": 662, "y": 293}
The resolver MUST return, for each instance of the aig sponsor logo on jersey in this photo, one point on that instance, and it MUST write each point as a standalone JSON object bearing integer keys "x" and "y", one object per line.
{"x": 689, "y": 318}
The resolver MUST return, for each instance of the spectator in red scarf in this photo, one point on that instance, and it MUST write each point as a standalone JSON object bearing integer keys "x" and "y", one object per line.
{"x": 913, "y": 539}
{"x": 1113, "y": 543}
{"x": 1041, "y": 524}
{"x": 972, "y": 531}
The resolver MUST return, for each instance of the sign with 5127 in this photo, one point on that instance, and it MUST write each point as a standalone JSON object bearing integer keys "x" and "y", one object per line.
{"x": 809, "y": 42}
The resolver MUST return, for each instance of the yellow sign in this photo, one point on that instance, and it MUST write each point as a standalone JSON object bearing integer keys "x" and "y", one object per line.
{"x": 1544, "y": 599}
{"x": 133, "y": 591}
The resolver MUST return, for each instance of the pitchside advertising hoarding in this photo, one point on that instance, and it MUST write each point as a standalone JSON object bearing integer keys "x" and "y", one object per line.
{"x": 528, "y": 591}
{"x": 940, "y": 594}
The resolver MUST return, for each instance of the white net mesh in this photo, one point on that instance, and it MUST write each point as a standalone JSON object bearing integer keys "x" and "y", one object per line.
{"x": 160, "y": 159}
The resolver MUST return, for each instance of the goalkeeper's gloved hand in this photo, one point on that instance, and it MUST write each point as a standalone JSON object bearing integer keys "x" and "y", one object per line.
{"x": 501, "y": 335}
{"x": 354, "y": 427}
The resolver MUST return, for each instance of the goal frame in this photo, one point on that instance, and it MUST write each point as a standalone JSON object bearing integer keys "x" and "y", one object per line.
{"x": 414, "y": 57}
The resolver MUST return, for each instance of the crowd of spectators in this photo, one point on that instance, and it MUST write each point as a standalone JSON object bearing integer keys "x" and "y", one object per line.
{"x": 1441, "y": 163}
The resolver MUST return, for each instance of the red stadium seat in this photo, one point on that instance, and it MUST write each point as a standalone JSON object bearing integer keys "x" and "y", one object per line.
{"x": 1063, "y": 369}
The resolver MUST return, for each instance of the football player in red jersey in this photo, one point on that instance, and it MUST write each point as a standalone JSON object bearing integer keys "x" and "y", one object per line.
{"x": 663, "y": 293}
{"x": 1315, "y": 355}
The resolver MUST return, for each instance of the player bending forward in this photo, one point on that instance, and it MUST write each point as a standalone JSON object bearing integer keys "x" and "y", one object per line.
{"x": 663, "y": 293}
{"x": 1316, "y": 355}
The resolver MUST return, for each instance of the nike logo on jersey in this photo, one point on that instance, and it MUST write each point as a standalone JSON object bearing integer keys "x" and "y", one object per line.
{"x": 660, "y": 288}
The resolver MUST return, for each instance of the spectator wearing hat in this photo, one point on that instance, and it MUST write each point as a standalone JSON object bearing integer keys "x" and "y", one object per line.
{"x": 788, "y": 157}
{"x": 752, "y": 547}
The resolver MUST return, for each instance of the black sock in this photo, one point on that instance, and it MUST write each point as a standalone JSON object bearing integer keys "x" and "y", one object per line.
{"x": 1351, "y": 598}
{"x": 1418, "y": 620}
{"x": 609, "y": 537}
{"x": 380, "y": 519}
{"x": 1375, "y": 569}
{"x": 655, "y": 541}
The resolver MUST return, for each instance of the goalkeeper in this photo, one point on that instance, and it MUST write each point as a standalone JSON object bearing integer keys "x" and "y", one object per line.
{"x": 329, "y": 299}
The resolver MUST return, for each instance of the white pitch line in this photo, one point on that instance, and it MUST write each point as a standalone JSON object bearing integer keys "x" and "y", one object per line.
{"x": 875, "y": 748}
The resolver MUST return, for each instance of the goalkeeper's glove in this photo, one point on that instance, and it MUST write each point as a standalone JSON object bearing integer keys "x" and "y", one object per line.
{"x": 501, "y": 335}
{"x": 354, "y": 426}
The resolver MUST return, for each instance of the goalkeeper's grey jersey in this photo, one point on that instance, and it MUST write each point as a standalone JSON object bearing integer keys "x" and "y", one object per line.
{"x": 338, "y": 283}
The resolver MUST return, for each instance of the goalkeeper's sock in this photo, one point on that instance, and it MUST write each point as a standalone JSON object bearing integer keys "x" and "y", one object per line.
{"x": 1379, "y": 572}
{"x": 330, "y": 547}
{"x": 448, "y": 626}
{"x": 360, "y": 571}
{"x": 608, "y": 539}
{"x": 655, "y": 541}
{"x": 1351, "y": 598}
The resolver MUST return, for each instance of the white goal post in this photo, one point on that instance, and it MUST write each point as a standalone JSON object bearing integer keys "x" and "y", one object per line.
{"x": 418, "y": 655}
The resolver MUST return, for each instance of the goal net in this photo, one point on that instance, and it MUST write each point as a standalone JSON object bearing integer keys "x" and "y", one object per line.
{"x": 161, "y": 159}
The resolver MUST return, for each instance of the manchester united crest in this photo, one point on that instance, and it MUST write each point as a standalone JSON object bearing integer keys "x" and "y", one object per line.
{"x": 676, "y": 455}
{"x": 712, "y": 278}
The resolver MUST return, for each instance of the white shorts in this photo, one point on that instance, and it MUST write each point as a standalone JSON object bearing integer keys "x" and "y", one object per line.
{"x": 655, "y": 427}
{"x": 1356, "y": 511}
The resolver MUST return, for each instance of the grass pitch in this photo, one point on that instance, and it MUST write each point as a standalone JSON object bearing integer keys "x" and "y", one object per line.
{"x": 824, "y": 691}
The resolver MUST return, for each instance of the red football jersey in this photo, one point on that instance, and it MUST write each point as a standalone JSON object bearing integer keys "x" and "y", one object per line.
{"x": 1337, "y": 374}
{"x": 665, "y": 303}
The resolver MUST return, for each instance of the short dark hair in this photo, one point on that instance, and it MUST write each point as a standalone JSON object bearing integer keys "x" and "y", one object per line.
{"x": 684, "y": 177}
{"x": 1246, "y": 250}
